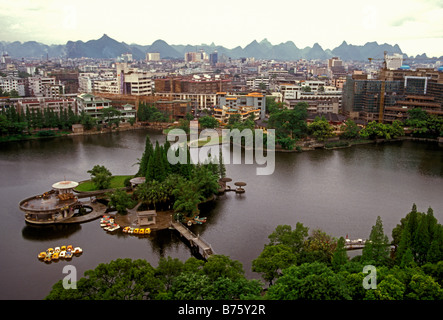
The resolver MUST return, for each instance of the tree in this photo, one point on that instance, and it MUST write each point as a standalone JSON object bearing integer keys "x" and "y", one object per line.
{"x": 156, "y": 168}
{"x": 377, "y": 130}
{"x": 205, "y": 181}
{"x": 376, "y": 248}
{"x": 121, "y": 279}
{"x": 222, "y": 266}
{"x": 289, "y": 123}
{"x": 111, "y": 115}
{"x": 309, "y": 281}
{"x": 187, "y": 199}
{"x": 389, "y": 288}
{"x": 120, "y": 201}
{"x": 321, "y": 129}
{"x": 424, "y": 287}
{"x": 350, "y": 130}
{"x": 294, "y": 239}
{"x": 101, "y": 177}
{"x": 422, "y": 235}
{"x": 319, "y": 246}
{"x": 272, "y": 260}
{"x": 340, "y": 256}
{"x": 148, "y": 152}
{"x": 208, "y": 122}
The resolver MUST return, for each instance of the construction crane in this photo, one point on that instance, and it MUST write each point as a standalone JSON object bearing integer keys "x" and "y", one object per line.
{"x": 382, "y": 89}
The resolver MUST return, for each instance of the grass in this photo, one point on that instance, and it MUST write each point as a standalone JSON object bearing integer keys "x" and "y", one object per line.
{"x": 116, "y": 182}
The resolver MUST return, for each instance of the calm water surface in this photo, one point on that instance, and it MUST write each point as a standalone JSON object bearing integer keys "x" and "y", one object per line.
{"x": 341, "y": 192}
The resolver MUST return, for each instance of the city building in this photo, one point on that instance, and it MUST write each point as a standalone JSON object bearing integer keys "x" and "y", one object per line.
{"x": 394, "y": 62}
{"x": 133, "y": 82}
{"x": 196, "y": 84}
{"x": 10, "y": 83}
{"x": 401, "y": 89}
{"x": 248, "y": 103}
{"x": 399, "y": 111}
{"x": 174, "y": 109}
{"x": 153, "y": 56}
{"x": 37, "y": 85}
{"x": 92, "y": 105}
{"x": 56, "y": 105}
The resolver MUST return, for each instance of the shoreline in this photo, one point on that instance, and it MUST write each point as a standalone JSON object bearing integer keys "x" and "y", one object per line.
{"x": 154, "y": 127}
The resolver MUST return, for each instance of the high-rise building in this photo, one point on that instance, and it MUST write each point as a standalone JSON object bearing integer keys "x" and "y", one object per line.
{"x": 394, "y": 62}
{"x": 133, "y": 82}
{"x": 153, "y": 56}
{"x": 213, "y": 58}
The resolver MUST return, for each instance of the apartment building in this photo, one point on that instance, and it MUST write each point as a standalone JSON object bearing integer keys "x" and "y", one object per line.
{"x": 37, "y": 85}
{"x": 9, "y": 83}
{"x": 56, "y": 105}
{"x": 195, "y": 84}
{"x": 153, "y": 56}
{"x": 403, "y": 89}
{"x": 199, "y": 101}
{"x": 92, "y": 104}
{"x": 174, "y": 109}
{"x": 399, "y": 111}
{"x": 132, "y": 81}
{"x": 252, "y": 101}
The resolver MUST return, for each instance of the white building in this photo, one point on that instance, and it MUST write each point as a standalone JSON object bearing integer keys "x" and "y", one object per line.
{"x": 9, "y": 83}
{"x": 132, "y": 81}
{"x": 153, "y": 56}
{"x": 394, "y": 62}
{"x": 37, "y": 85}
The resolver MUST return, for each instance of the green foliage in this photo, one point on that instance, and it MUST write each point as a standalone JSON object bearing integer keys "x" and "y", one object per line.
{"x": 272, "y": 260}
{"x": 208, "y": 122}
{"x": 289, "y": 124}
{"x": 289, "y": 277}
{"x": 350, "y": 130}
{"x": 120, "y": 201}
{"x": 376, "y": 250}
{"x": 101, "y": 177}
{"x": 418, "y": 238}
{"x": 122, "y": 279}
{"x": 150, "y": 113}
{"x": 424, "y": 125}
{"x": 220, "y": 278}
{"x": 320, "y": 129}
{"x": 309, "y": 281}
{"x": 377, "y": 130}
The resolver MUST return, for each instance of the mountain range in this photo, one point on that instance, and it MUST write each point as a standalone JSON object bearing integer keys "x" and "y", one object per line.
{"x": 108, "y": 48}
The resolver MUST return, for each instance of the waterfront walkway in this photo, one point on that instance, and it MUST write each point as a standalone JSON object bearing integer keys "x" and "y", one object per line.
{"x": 204, "y": 247}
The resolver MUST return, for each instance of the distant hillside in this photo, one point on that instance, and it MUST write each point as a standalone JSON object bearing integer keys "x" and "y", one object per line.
{"x": 107, "y": 48}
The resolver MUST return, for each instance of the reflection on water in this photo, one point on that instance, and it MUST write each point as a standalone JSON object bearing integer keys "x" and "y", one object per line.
{"x": 339, "y": 191}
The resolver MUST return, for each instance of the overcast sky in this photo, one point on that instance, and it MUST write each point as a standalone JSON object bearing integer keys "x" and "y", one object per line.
{"x": 415, "y": 25}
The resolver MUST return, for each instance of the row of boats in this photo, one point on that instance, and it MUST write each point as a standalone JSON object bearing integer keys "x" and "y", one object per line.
{"x": 140, "y": 231}
{"x": 63, "y": 252}
{"x": 108, "y": 224}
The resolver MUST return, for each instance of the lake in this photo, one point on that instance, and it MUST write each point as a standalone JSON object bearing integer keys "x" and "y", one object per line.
{"x": 339, "y": 191}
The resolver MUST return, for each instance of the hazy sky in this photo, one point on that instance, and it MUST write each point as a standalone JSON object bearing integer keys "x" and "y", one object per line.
{"x": 415, "y": 25}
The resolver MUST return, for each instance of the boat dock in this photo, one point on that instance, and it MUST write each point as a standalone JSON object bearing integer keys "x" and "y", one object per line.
{"x": 204, "y": 248}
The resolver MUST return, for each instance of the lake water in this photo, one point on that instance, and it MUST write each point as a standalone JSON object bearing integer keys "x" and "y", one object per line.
{"x": 339, "y": 191}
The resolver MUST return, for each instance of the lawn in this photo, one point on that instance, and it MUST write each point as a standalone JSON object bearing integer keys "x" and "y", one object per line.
{"x": 116, "y": 182}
